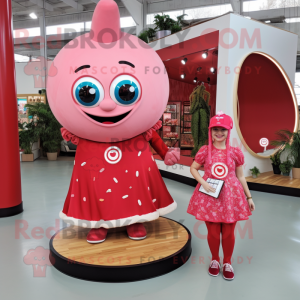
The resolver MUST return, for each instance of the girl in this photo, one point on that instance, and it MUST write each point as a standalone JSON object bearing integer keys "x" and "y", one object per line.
{"x": 221, "y": 161}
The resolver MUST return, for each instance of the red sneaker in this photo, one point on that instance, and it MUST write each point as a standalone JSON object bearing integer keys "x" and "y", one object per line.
{"x": 136, "y": 231}
{"x": 228, "y": 272}
{"x": 97, "y": 235}
{"x": 214, "y": 268}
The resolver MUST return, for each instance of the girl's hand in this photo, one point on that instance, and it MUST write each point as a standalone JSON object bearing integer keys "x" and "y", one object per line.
{"x": 251, "y": 204}
{"x": 208, "y": 187}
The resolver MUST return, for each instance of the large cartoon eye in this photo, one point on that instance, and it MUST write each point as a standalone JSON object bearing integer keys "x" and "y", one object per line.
{"x": 88, "y": 92}
{"x": 125, "y": 90}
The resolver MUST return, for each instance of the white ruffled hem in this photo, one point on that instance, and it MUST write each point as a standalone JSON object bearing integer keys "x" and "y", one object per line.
{"x": 119, "y": 222}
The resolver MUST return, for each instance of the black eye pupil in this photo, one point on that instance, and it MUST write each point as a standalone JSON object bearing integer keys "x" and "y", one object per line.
{"x": 85, "y": 95}
{"x": 127, "y": 92}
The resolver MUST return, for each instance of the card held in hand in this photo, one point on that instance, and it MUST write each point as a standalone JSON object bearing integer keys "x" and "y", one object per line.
{"x": 217, "y": 184}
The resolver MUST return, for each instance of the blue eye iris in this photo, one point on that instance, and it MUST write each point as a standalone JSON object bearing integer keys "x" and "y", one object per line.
{"x": 87, "y": 93}
{"x": 126, "y": 92}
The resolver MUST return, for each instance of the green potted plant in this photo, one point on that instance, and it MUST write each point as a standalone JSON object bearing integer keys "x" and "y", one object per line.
{"x": 151, "y": 32}
{"x": 291, "y": 143}
{"x": 163, "y": 25}
{"x": 255, "y": 172}
{"x": 47, "y": 127}
{"x": 177, "y": 25}
{"x": 144, "y": 36}
{"x": 286, "y": 167}
{"x": 275, "y": 158}
{"x": 27, "y": 136}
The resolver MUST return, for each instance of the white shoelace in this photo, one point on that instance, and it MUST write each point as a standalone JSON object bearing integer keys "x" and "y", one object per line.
{"x": 214, "y": 264}
{"x": 228, "y": 267}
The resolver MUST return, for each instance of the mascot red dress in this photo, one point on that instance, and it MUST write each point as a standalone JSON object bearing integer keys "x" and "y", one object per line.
{"x": 109, "y": 92}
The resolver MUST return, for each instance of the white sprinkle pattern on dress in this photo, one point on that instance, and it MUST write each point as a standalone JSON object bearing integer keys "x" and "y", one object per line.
{"x": 74, "y": 162}
{"x": 77, "y": 180}
{"x": 84, "y": 199}
{"x": 115, "y": 180}
{"x": 126, "y": 171}
{"x": 72, "y": 195}
{"x": 137, "y": 173}
{"x": 84, "y": 163}
{"x": 108, "y": 191}
{"x": 130, "y": 187}
{"x": 124, "y": 197}
{"x": 152, "y": 157}
{"x": 102, "y": 170}
{"x": 153, "y": 200}
{"x": 139, "y": 202}
{"x": 140, "y": 152}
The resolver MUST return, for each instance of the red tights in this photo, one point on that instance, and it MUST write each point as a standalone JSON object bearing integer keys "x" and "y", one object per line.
{"x": 228, "y": 239}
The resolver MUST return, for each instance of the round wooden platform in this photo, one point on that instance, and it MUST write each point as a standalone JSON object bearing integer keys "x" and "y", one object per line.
{"x": 118, "y": 258}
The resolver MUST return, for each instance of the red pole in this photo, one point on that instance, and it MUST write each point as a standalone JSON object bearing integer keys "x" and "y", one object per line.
{"x": 10, "y": 173}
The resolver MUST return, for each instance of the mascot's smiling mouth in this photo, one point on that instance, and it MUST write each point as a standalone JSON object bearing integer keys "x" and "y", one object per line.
{"x": 108, "y": 120}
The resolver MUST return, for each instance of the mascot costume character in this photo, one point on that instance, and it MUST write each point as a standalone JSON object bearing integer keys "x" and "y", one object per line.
{"x": 109, "y": 91}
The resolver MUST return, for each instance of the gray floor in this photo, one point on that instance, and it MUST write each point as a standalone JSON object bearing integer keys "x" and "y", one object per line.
{"x": 273, "y": 273}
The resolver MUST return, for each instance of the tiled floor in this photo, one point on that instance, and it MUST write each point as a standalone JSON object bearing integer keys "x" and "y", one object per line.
{"x": 266, "y": 256}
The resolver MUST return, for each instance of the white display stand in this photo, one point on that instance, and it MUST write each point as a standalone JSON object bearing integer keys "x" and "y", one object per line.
{"x": 252, "y": 36}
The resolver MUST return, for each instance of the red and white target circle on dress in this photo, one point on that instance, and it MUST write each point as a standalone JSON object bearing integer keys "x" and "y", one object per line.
{"x": 219, "y": 170}
{"x": 113, "y": 154}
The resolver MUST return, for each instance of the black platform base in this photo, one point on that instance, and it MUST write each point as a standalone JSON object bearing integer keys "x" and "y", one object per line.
{"x": 11, "y": 211}
{"x": 120, "y": 273}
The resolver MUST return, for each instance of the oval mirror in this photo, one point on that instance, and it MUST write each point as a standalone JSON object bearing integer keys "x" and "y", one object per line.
{"x": 265, "y": 102}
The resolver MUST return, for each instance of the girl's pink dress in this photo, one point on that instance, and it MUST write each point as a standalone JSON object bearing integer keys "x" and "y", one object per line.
{"x": 232, "y": 205}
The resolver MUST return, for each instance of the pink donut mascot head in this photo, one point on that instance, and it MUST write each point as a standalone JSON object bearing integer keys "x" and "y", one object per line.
{"x": 109, "y": 84}
{"x": 109, "y": 91}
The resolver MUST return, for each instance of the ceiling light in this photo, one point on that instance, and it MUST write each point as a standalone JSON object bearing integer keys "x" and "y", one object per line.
{"x": 195, "y": 79}
{"x": 184, "y": 61}
{"x": 33, "y": 15}
{"x": 182, "y": 76}
{"x": 212, "y": 69}
{"x": 268, "y": 21}
{"x": 204, "y": 55}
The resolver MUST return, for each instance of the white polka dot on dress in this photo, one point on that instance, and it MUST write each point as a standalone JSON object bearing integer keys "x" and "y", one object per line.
{"x": 102, "y": 170}
{"x": 115, "y": 180}
{"x": 84, "y": 199}
{"x": 108, "y": 191}
{"x": 137, "y": 173}
{"x": 153, "y": 200}
{"x": 139, "y": 202}
{"x": 124, "y": 197}
{"x": 72, "y": 195}
{"x": 84, "y": 163}
{"x": 140, "y": 152}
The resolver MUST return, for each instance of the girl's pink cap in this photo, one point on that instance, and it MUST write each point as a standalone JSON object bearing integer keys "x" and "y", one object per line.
{"x": 220, "y": 120}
